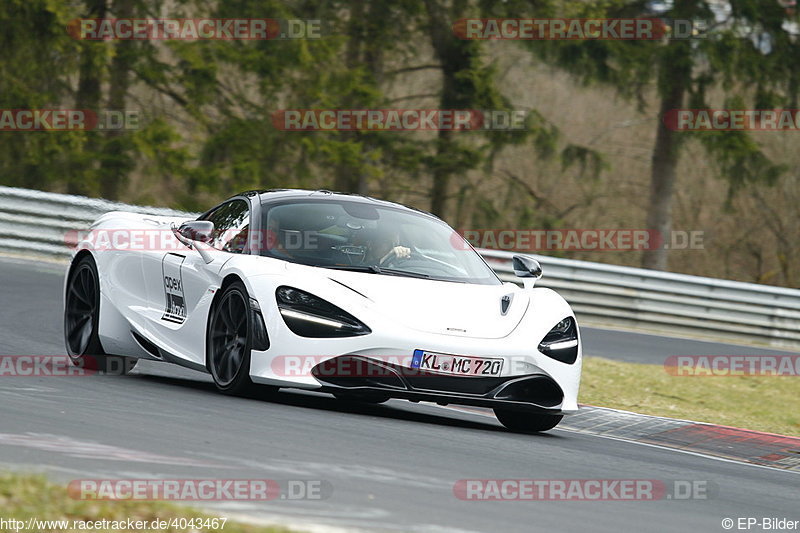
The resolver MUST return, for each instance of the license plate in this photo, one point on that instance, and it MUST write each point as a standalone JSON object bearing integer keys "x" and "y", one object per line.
{"x": 457, "y": 365}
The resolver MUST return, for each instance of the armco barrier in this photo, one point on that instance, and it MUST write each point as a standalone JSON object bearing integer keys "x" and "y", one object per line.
{"x": 664, "y": 302}
{"x": 36, "y": 221}
{"x": 614, "y": 296}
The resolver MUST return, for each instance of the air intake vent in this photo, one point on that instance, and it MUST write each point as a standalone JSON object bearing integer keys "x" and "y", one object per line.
{"x": 148, "y": 346}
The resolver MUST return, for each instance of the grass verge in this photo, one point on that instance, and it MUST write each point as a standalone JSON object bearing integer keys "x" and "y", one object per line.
{"x": 24, "y": 497}
{"x": 752, "y": 402}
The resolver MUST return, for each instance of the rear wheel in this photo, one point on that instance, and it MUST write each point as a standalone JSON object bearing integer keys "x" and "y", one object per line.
{"x": 229, "y": 341}
{"x": 526, "y": 422}
{"x": 81, "y": 315}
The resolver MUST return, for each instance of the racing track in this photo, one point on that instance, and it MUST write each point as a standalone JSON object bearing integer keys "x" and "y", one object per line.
{"x": 392, "y": 467}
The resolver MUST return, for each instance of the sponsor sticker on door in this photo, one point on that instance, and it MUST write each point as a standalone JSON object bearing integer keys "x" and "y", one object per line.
{"x": 175, "y": 310}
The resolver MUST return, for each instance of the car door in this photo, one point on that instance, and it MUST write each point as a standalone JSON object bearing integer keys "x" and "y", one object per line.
{"x": 180, "y": 283}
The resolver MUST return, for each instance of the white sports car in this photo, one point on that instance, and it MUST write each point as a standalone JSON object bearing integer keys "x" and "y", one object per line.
{"x": 362, "y": 298}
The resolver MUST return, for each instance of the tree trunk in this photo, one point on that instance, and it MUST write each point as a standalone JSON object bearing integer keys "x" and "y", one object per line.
{"x": 440, "y": 189}
{"x": 115, "y": 164}
{"x": 454, "y": 55}
{"x": 345, "y": 177}
{"x": 88, "y": 97}
{"x": 674, "y": 78}
{"x": 362, "y": 50}
{"x": 662, "y": 184}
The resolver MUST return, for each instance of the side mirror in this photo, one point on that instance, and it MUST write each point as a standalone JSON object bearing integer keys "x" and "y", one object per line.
{"x": 526, "y": 267}
{"x": 197, "y": 230}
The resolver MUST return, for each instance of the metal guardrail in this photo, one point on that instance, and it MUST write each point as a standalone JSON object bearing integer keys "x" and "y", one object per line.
{"x": 664, "y": 302}
{"x": 600, "y": 294}
{"x": 38, "y": 222}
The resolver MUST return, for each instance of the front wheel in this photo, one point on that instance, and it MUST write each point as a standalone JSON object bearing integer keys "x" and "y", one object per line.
{"x": 81, "y": 318}
{"x": 229, "y": 341}
{"x": 526, "y": 422}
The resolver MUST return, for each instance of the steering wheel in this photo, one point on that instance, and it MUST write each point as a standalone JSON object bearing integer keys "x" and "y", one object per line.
{"x": 394, "y": 259}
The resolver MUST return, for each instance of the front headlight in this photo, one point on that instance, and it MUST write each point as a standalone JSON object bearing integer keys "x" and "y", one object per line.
{"x": 561, "y": 342}
{"x": 307, "y": 315}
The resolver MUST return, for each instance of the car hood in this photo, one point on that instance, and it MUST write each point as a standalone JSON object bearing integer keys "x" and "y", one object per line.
{"x": 460, "y": 309}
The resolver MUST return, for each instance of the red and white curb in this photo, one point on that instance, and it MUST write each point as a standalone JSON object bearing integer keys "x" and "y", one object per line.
{"x": 744, "y": 445}
{"x": 756, "y": 447}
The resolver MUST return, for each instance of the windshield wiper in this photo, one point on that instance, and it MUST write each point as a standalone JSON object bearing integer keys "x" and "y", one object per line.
{"x": 398, "y": 272}
{"x": 375, "y": 269}
{"x": 372, "y": 269}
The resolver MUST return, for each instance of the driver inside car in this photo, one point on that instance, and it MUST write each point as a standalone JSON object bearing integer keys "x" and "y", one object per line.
{"x": 391, "y": 249}
{"x": 375, "y": 244}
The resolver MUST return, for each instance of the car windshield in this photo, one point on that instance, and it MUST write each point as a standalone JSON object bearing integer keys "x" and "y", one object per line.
{"x": 358, "y": 236}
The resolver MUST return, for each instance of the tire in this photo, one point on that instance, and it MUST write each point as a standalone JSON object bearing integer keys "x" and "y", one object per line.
{"x": 229, "y": 341}
{"x": 362, "y": 397}
{"x": 526, "y": 422}
{"x": 81, "y": 322}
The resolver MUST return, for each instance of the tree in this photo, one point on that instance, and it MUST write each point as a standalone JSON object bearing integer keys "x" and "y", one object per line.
{"x": 88, "y": 96}
{"x": 467, "y": 83}
{"x": 116, "y": 161}
{"x": 37, "y": 59}
{"x": 681, "y": 71}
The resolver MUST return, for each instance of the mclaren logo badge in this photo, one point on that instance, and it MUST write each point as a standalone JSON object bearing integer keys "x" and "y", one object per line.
{"x": 505, "y": 303}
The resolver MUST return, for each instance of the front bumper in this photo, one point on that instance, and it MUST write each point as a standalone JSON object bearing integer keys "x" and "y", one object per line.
{"x": 531, "y": 393}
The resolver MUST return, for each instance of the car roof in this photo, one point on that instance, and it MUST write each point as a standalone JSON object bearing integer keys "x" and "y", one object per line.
{"x": 270, "y": 195}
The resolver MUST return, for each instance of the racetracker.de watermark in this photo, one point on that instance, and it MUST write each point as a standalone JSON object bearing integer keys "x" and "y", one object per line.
{"x": 175, "y": 523}
{"x": 593, "y": 240}
{"x": 29, "y": 366}
{"x": 592, "y": 490}
{"x": 527, "y": 240}
{"x": 732, "y": 365}
{"x": 398, "y": 120}
{"x": 200, "y": 489}
{"x": 732, "y": 119}
{"x": 194, "y": 29}
{"x": 164, "y": 240}
{"x": 567, "y": 29}
{"x": 68, "y": 120}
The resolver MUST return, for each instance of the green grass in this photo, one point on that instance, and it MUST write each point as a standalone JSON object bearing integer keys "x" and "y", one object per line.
{"x": 24, "y": 496}
{"x": 760, "y": 403}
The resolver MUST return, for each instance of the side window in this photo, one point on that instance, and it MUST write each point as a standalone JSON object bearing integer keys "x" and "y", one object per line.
{"x": 231, "y": 225}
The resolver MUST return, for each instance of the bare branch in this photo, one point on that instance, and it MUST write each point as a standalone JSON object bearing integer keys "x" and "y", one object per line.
{"x": 414, "y": 97}
{"x": 413, "y": 69}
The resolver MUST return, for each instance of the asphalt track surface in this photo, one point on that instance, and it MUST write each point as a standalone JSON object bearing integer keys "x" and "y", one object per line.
{"x": 390, "y": 467}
